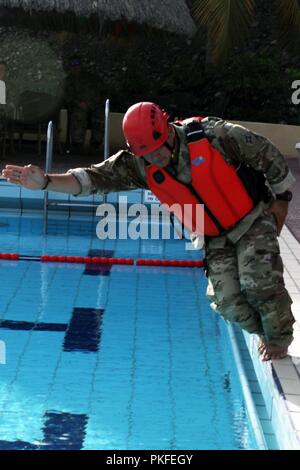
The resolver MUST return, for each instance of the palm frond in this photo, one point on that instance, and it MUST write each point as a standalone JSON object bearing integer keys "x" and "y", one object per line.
{"x": 288, "y": 20}
{"x": 227, "y": 23}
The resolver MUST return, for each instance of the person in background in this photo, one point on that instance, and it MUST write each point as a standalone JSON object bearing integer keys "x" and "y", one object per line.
{"x": 7, "y": 107}
{"x": 82, "y": 98}
{"x": 241, "y": 182}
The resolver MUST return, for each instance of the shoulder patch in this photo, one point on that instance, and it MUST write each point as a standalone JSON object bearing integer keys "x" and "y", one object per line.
{"x": 249, "y": 139}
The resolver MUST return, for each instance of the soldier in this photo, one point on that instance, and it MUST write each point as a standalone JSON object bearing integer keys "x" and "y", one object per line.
{"x": 82, "y": 98}
{"x": 243, "y": 183}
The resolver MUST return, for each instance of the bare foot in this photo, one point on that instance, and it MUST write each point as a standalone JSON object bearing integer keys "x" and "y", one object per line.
{"x": 262, "y": 345}
{"x": 273, "y": 351}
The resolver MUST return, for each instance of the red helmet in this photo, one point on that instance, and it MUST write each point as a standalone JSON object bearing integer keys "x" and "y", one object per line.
{"x": 145, "y": 127}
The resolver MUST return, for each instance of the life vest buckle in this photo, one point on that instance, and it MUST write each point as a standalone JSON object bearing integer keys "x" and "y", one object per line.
{"x": 159, "y": 177}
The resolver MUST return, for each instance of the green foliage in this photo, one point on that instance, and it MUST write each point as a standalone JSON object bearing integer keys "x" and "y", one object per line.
{"x": 31, "y": 64}
{"x": 184, "y": 75}
{"x": 229, "y": 21}
{"x": 287, "y": 16}
{"x": 293, "y": 73}
{"x": 133, "y": 77}
{"x": 257, "y": 88}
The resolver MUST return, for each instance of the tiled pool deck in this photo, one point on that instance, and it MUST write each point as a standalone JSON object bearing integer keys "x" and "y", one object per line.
{"x": 293, "y": 219}
{"x": 280, "y": 380}
{"x": 288, "y": 369}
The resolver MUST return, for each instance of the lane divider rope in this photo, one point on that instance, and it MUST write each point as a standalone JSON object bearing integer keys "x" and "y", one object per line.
{"x": 103, "y": 260}
{"x": 172, "y": 262}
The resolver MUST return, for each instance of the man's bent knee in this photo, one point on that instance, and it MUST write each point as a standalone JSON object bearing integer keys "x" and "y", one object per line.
{"x": 274, "y": 307}
{"x": 236, "y": 309}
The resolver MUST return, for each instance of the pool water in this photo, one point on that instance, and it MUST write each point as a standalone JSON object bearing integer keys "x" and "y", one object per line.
{"x": 119, "y": 357}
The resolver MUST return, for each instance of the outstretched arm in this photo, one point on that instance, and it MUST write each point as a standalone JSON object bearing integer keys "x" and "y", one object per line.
{"x": 120, "y": 172}
{"x": 33, "y": 177}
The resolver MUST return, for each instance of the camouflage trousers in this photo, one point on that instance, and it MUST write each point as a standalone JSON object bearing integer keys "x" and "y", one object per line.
{"x": 81, "y": 120}
{"x": 246, "y": 285}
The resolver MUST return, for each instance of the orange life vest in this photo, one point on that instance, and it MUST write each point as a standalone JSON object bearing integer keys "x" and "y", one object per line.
{"x": 215, "y": 200}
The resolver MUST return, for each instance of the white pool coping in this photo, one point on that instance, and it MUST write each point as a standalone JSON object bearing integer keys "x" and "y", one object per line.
{"x": 280, "y": 379}
{"x": 288, "y": 370}
{"x": 249, "y": 401}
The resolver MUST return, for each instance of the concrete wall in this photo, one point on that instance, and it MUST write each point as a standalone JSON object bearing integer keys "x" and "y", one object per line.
{"x": 116, "y": 138}
{"x": 283, "y": 136}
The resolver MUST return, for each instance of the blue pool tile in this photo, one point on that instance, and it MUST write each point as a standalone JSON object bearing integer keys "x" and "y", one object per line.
{"x": 24, "y": 325}
{"x": 64, "y": 431}
{"x": 271, "y": 441}
{"x": 262, "y": 412}
{"x": 84, "y": 330}
{"x": 164, "y": 378}
{"x": 99, "y": 270}
{"x": 17, "y": 445}
{"x": 101, "y": 253}
{"x": 267, "y": 426}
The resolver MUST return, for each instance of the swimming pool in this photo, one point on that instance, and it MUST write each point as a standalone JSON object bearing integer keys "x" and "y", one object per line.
{"x": 114, "y": 357}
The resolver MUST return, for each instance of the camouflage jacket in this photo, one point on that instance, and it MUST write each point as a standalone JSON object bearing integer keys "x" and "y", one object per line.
{"x": 123, "y": 171}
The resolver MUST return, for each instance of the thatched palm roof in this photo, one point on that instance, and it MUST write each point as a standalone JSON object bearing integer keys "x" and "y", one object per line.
{"x": 168, "y": 15}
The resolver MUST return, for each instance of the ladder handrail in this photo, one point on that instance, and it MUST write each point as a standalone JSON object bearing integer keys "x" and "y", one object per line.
{"x": 49, "y": 158}
{"x": 106, "y": 129}
{"x": 48, "y": 167}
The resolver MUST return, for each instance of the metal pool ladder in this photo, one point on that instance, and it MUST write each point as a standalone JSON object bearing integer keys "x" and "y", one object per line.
{"x": 48, "y": 166}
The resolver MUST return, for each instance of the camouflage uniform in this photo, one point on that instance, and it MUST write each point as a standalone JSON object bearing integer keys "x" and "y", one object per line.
{"x": 245, "y": 270}
{"x": 84, "y": 87}
{"x": 246, "y": 282}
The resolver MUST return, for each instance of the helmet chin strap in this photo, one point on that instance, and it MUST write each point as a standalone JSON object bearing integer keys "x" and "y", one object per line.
{"x": 169, "y": 147}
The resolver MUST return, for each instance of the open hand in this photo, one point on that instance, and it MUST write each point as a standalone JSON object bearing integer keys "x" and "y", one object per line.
{"x": 29, "y": 176}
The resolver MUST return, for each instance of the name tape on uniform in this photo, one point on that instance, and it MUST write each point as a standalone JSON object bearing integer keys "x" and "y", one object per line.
{"x": 149, "y": 197}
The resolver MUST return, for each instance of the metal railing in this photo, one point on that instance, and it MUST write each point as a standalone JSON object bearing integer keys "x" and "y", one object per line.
{"x": 48, "y": 167}
{"x": 106, "y": 129}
